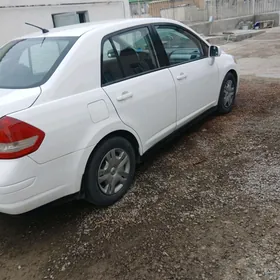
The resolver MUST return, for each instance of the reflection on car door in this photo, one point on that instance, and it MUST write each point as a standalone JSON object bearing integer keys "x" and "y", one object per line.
{"x": 195, "y": 74}
{"x": 143, "y": 95}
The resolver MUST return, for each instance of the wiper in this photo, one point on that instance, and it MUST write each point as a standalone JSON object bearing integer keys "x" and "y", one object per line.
{"x": 42, "y": 29}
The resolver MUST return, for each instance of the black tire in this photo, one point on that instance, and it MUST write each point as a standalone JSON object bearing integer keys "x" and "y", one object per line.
{"x": 222, "y": 107}
{"x": 93, "y": 192}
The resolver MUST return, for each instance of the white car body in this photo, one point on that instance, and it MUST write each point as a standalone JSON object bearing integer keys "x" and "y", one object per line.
{"x": 75, "y": 112}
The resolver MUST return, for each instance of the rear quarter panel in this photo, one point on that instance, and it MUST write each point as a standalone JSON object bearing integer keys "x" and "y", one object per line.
{"x": 70, "y": 126}
{"x": 66, "y": 110}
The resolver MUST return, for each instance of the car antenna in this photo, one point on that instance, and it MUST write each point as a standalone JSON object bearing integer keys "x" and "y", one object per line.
{"x": 43, "y": 29}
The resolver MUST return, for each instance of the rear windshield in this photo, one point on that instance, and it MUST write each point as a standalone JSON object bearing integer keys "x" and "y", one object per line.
{"x": 31, "y": 62}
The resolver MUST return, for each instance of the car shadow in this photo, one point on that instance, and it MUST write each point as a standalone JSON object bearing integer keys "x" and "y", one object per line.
{"x": 167, "y": 145}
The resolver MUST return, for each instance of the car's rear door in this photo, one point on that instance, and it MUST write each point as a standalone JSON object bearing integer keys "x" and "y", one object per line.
{"x": 143, "y": 94}
{"x": 195, "y": 74}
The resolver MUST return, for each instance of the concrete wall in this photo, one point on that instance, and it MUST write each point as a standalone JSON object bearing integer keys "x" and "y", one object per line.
{"x": 185, "y": 13}
{"x": 155, "y": 7}
{"x": 219, "y": 26}
{"x": 201, "y": 28}
{"x": 222, "y": 11}
{"x": 269, "y": 16}
{"x": 12, "y": 19}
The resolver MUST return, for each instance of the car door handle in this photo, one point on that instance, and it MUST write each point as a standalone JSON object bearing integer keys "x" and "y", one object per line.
{"x": 125, "y": 95}
{"x": 181, "y": 77}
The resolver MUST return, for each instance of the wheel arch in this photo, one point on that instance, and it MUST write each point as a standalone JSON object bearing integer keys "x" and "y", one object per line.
{"x": 230, "y": 71}
{"x": 125, "y": 134}
{"x": 220, "y": 107}
{"x": 121, "y": 133}
{"x": 234, "y": 73}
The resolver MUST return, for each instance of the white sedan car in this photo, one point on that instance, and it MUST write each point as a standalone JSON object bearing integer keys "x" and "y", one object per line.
{"x": 80, "y": 105}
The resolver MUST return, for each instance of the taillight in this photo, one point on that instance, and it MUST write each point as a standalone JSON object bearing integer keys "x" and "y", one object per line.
{"x": 18, "y": 139}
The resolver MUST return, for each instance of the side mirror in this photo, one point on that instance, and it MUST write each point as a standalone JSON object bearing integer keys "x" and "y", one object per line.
{"x": 111, "y": 54}
{"x": 214, "y": 51}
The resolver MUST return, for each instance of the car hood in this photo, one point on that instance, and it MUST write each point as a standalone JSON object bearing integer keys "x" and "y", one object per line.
{"x": 13, "y": 100}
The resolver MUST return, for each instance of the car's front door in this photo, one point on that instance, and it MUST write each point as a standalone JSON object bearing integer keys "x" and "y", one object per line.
{"x": 143, "y": 94}
{"x": 195, "y": 74}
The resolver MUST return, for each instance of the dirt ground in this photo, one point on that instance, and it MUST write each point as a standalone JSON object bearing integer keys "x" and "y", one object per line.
{"x": 205, "y": 206}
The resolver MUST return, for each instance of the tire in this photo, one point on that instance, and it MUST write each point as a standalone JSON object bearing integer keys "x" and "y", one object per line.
{"x": 110, "y": 172}
{"x": 227, "y": 94}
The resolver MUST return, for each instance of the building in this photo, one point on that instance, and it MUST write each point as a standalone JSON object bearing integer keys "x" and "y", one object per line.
{"x": 55, "y": 13}
{"x": 153, "y": 8}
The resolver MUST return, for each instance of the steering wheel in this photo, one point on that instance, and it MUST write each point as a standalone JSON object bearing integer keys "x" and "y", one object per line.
{"x": 171, "y": 53}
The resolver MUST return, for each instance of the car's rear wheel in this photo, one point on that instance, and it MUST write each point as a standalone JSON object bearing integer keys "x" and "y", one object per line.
{"x": 227, "y": 94}
{"x": 110, "y": 172}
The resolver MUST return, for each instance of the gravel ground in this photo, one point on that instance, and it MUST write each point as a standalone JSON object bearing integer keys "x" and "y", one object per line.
{"x": 205, "y": 206}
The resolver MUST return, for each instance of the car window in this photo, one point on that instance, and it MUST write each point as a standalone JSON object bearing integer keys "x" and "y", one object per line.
{"x": 135, "y": 51}
{"x": 180, "y": 46}
{"x": 111, "y": 70}
{"x": 30, "y": 62}
{"x": 39, "y": 63}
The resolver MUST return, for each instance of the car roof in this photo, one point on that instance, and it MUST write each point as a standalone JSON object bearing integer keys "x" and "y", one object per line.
{"x": 108, "y": 26}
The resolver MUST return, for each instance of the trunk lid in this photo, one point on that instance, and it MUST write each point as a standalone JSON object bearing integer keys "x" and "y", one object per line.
{"x": 14, "y": 100}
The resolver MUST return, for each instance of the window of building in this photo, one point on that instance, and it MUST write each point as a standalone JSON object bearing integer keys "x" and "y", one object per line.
{"x": 64, "y": 19}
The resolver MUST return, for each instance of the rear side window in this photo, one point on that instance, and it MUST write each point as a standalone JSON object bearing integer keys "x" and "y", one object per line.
{"x": 111, "y": 70}
{"x": 31, "y": 62}
{"x": 130, "y": 54}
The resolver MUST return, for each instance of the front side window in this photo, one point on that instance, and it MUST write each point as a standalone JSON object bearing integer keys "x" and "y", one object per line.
{"x": 30, "y": 62}
{"x": 180, "y": 46}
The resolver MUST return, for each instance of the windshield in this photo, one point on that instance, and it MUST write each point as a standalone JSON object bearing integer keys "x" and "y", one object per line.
{"x": 31, "y": 62}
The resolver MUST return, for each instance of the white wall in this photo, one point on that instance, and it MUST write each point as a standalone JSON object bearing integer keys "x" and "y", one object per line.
{"x": 4, "y": 3}
{"x": 12, "y": 19}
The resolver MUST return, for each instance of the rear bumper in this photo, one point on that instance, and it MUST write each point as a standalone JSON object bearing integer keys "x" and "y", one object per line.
{"x": 22, "y": 206}
{"x": 25, "y": 184}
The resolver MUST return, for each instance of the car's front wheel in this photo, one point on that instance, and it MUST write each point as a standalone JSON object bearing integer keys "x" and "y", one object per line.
{"x": 110, "y": 172}
{"x": 227, "y": 94}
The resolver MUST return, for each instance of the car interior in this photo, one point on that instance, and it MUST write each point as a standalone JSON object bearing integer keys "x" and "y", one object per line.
{"x": 134, "y": 60}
